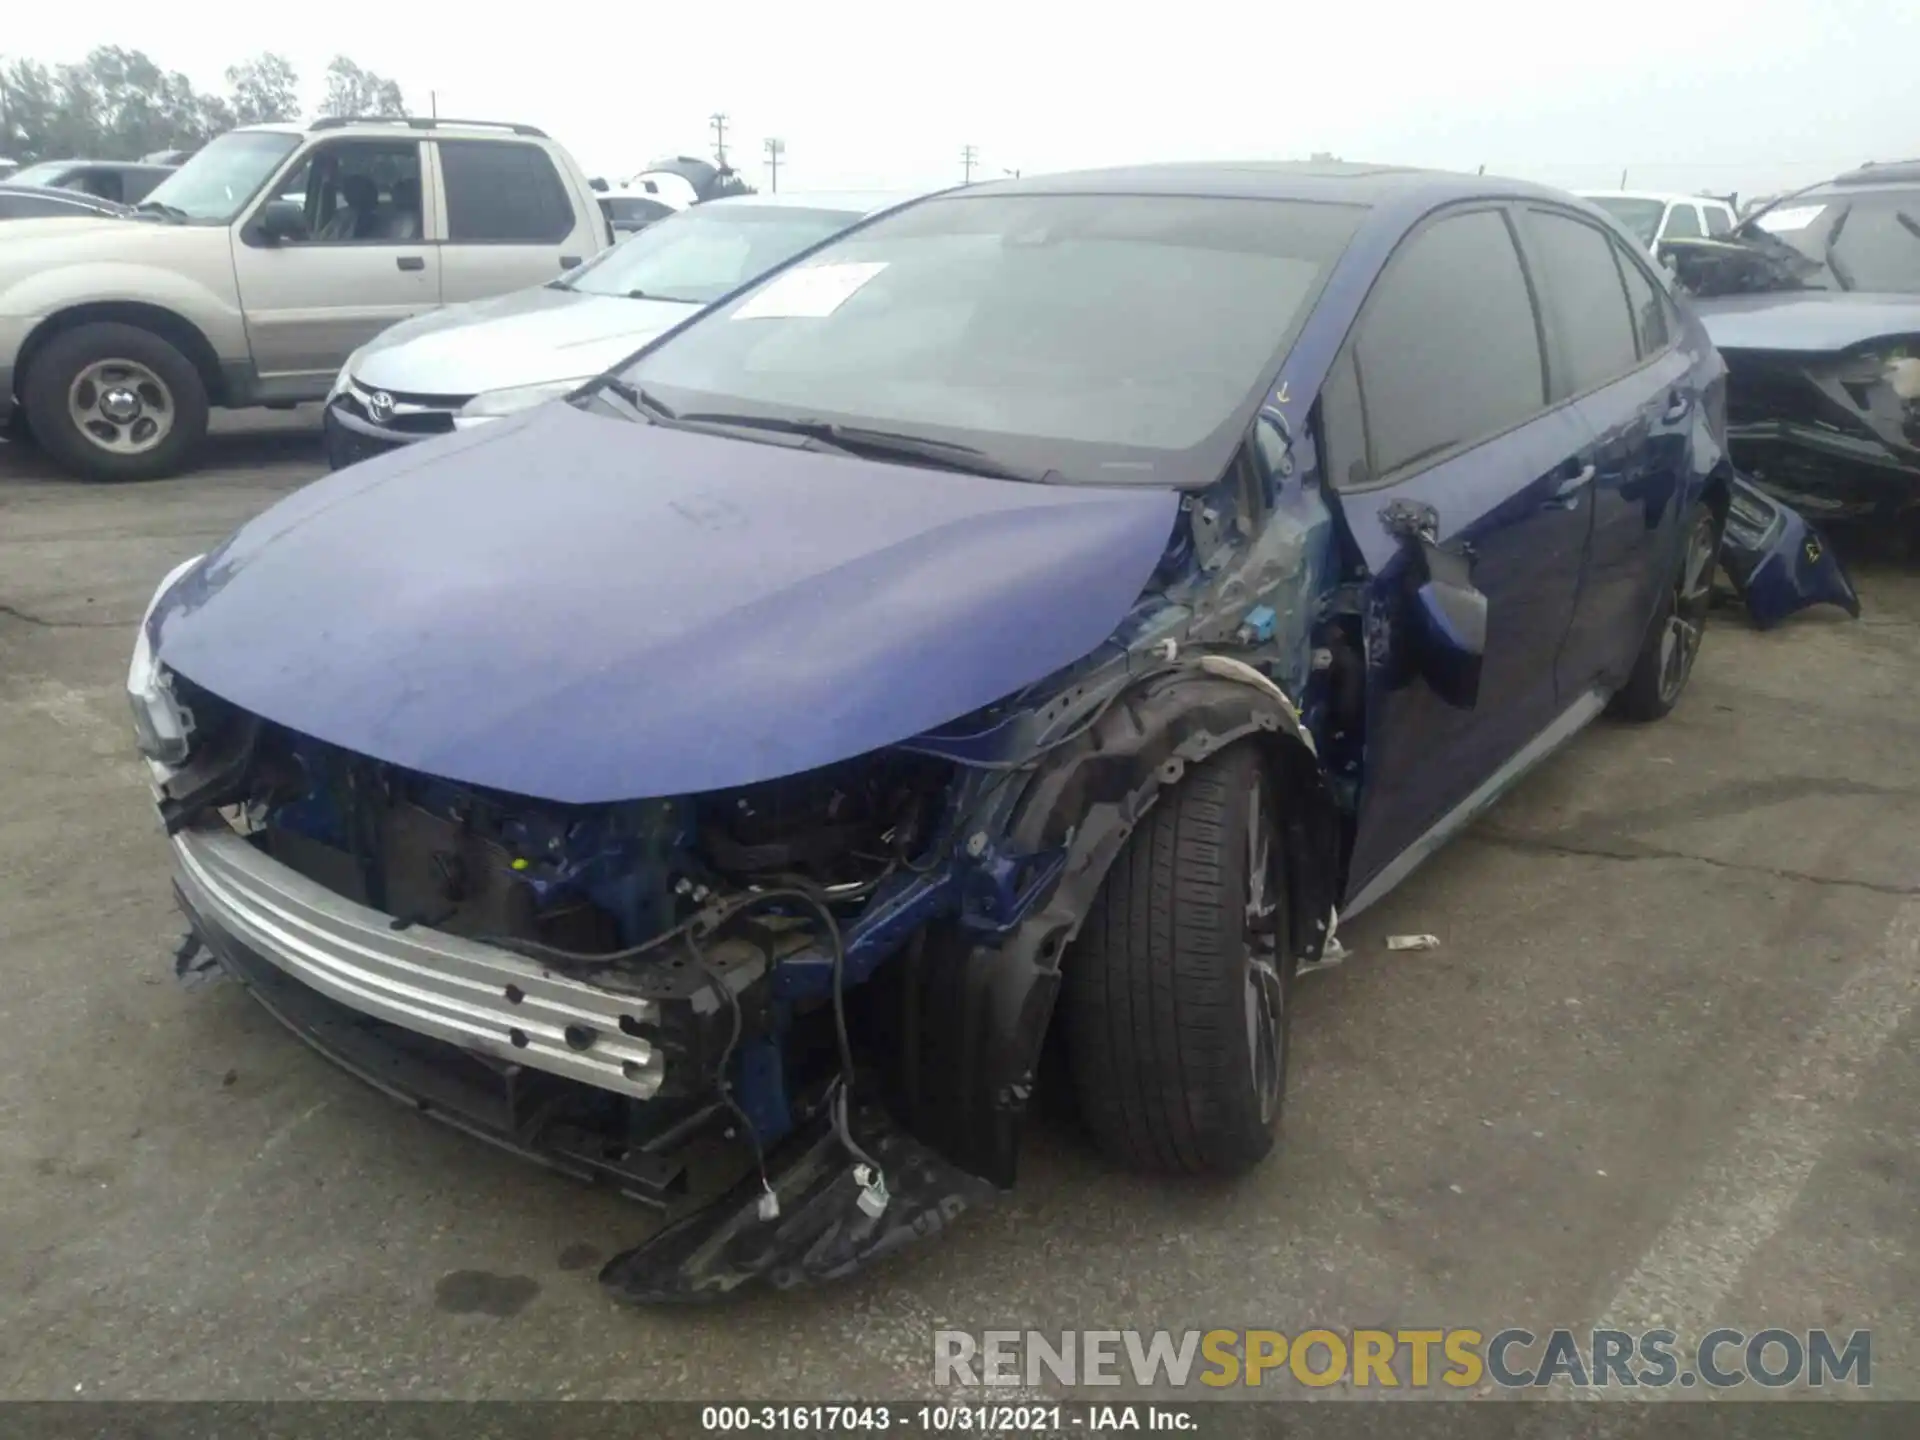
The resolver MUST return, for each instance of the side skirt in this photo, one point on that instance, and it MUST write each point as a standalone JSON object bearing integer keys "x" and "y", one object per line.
{"x": 1569, "y": 723}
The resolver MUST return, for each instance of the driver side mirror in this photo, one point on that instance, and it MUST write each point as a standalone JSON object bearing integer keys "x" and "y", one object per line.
{"x": 1447, "y": 615}
{"x": 282, "y": 220}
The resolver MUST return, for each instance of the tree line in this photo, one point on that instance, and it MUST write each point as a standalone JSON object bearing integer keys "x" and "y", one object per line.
{"x": 119, "y": 104}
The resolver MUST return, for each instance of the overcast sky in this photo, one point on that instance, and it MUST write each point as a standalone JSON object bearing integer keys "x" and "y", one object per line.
{"x": 1724, "y": 94}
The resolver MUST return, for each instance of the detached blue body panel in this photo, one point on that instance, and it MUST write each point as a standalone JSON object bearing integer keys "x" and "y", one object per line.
{"x": 582, "y": 609}
{"x": 1779, "y": 562}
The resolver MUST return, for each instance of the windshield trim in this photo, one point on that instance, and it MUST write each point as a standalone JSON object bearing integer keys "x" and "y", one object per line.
{"x": 1194, "y": 467}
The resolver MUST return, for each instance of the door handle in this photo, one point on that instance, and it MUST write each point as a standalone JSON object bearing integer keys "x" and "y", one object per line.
{"x": 1677, "y": 406}
{"x": 1566, "y": 495}
{"x": 567, "y": 262}
{"x": 412, "y": 262}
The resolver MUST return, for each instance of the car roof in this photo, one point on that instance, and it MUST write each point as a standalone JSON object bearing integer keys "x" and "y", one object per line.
{"x": 114, "y": 164}
{"x": 1340, "y": 182}
{"x": 1881, "y": 172}
{"x": 1665, "y": 197}
{"x": 853, "y": 202}
{"x": 80, "y": 199}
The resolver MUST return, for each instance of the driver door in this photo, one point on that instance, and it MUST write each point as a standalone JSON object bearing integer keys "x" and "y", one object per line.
{"x": 312, "y": 300}
{"x": 1438, "y": 405}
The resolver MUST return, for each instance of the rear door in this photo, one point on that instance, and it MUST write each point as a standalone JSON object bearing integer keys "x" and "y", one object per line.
{"x": 510, "y": 220}
{"x": 1439, "y": 400}
{"x": 311, "y": 302}
{"x": 1610, "y": 352}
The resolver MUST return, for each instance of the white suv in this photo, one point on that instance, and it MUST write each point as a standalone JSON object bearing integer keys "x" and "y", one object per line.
{"x": 1652, "y": 217}
{"x": 253, "y": 271}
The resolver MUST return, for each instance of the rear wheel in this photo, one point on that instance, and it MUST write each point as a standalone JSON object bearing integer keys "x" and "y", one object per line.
{"x": 115, "y": 402}
{"x": 1177, "y": 991}
{"x": 1672, "y": 644}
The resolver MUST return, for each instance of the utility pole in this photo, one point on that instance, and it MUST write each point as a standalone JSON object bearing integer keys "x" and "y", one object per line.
{"x": 775, "y": 149}
{"x": 968, "y": 157}
{"x": 433, "y": 103}
{"x": 719, "y": 122}
{"x": 1623, "y": 179}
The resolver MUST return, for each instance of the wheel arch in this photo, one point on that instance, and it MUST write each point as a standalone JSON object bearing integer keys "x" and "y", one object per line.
{"x": 995, "y": 1001}
{"x": 169, "y": 325}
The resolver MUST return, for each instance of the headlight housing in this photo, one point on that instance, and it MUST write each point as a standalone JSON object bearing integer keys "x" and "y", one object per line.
{"x": 162, "y": 726}
{"x": 493, "y": 404}
{"x": 346, "y": 374}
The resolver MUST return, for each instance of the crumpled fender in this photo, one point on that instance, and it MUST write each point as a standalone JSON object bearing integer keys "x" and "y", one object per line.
{"x": 994, "y": 1001}
{"x": 1778, "y": 562}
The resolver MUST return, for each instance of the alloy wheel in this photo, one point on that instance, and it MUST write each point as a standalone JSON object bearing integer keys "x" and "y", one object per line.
{"x": 1692, "y": 593}
{"x": 1265, "y": 995}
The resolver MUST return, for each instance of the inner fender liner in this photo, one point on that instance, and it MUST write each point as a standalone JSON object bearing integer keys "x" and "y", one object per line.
{"x": 988, "y": 1005}
{"x": 821, "y": 1233}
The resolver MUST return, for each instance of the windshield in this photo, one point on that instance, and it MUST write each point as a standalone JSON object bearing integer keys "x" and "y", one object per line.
{"x": 1862, "y": 241}
{"x": 1641, "y": 218}
{"x": 1106, "y": 337}
{"x": 47, "y": 172}
{"x": 699, "y": 255}
{"x": 216, "y": 184}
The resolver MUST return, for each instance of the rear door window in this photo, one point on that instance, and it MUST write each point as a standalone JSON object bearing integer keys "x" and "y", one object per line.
{"x": 1719, "y": 220}
{"x": 503, "y": 192}
{"x": 1683, "y": 223}
{"x": 1594, "y": 334}
{"x": 1454, "y": 290}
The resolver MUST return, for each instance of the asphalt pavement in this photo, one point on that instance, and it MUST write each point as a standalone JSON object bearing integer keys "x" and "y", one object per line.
{"x": 1661, "y": 1069}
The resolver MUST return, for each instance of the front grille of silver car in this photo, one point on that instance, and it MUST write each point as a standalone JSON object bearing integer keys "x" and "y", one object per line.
{"x": 412, "y": 414}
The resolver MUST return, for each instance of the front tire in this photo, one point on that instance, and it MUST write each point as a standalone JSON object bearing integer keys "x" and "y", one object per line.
{"x": 1672, "y": 643}
{"x": 1178, "y": 989}
{"x": 113, "y": 402}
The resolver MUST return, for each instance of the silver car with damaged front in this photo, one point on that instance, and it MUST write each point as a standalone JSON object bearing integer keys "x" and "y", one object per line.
{"x": 468, "y": 364}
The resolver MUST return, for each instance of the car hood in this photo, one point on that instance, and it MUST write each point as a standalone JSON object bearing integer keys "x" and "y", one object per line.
{"x": 32, "y": 248}
{"x": 583, "y": 609}
{"x": 1806, "y": 321}
{"x": 523, "y": 338}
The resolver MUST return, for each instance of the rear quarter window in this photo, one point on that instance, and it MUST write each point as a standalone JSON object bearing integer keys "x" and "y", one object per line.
{"x": 1653, "y": 318}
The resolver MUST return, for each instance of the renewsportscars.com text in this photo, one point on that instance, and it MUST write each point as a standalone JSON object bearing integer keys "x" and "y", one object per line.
{"x": 1457, "y": 1358}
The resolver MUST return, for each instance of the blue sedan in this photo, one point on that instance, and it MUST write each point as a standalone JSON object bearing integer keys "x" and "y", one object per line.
{"x": 1043, "y": 611}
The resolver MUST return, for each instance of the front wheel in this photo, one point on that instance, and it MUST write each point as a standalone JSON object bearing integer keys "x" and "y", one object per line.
{"x": 1672, "y": 644}
{"x": 1177, "y": 990}
{"x": 116, "y": 402}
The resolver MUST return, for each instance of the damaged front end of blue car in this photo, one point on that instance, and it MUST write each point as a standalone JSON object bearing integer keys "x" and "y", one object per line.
{"x": 721, "y": 838}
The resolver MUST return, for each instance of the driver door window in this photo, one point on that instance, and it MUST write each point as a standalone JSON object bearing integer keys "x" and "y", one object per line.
{"x": 358, "y": 192}
{"x": 356, "y": 264}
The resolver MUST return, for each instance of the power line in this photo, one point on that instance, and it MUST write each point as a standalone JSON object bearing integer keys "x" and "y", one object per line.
{"x": 969, "y": 156}
{"x": 775, "y": 149}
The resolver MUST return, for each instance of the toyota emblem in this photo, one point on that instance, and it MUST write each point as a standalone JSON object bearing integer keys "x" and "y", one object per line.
{"x": 380, "y": 407}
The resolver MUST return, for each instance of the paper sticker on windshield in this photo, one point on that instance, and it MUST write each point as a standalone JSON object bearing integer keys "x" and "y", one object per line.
{"x": 808, "y": 293}
{"x": 1795, "y": 217}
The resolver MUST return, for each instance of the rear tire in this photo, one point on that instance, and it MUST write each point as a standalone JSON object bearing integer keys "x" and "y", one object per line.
{"x": 85, "y": 379}
{"x": 1672, "y": 643}
{"x": 1178, "y": 989}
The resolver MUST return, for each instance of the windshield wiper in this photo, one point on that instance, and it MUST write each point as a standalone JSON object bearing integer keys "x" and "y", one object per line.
{"x": 887, "y": 445}
{"x": 638, "y": 400}
{"x": 172, "y": 212}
